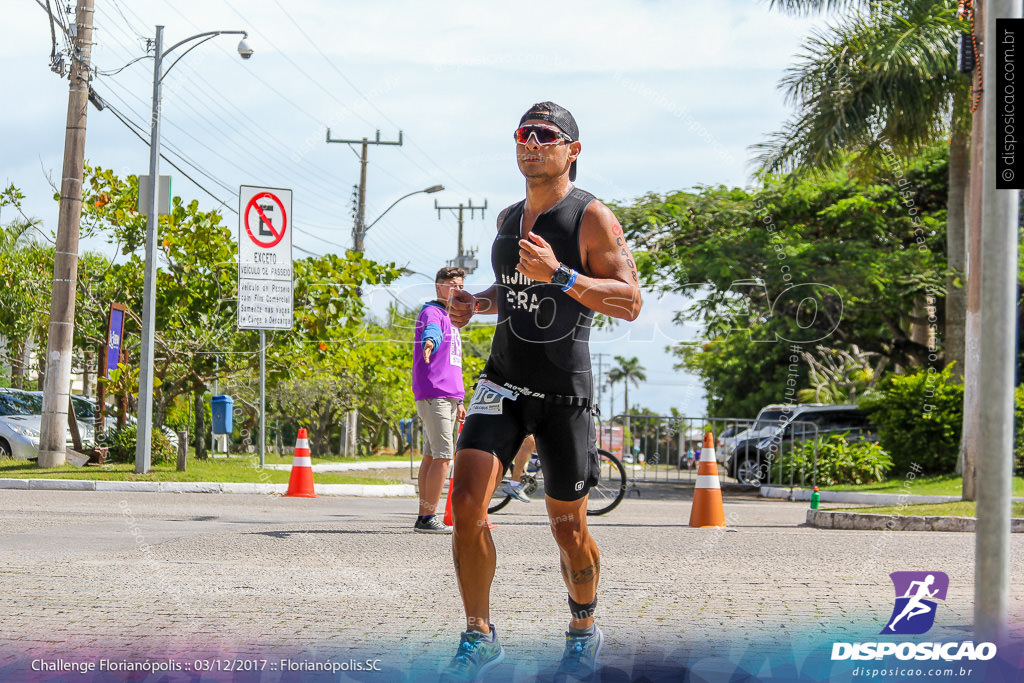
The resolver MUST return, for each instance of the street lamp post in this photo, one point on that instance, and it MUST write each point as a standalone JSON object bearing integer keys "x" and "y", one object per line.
{"x": 427, "y": 190}
{"x": 148, "y": 332}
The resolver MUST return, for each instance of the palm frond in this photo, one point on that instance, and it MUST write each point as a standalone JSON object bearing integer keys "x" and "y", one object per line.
{"x": 885, "y": 75}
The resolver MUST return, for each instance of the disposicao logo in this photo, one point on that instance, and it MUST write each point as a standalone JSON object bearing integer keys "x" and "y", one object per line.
{"x": 914, "y": 614}
{"x": 916, "y": 592}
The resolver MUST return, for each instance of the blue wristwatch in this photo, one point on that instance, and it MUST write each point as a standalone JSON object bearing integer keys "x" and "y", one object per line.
{"x": 564, "y": 277}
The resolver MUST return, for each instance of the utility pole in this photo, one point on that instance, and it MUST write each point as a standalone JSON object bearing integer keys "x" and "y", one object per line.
{"x": 465, "y": 260}
{"x": 996, "y": 348}
{"x": 359, "y": 230}
{"x": 972, "y": 273}
{"x": 600, "y": 392}
{"x": 59, "y": 350}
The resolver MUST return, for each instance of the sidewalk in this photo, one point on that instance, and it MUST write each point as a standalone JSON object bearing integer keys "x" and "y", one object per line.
{"x": 861, "y": 497}
{"x": 360, "y": 490}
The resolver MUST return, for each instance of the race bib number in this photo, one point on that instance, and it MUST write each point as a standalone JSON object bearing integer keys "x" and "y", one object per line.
{"x": 455, "y": 349}
{"x": 487, "y": 398}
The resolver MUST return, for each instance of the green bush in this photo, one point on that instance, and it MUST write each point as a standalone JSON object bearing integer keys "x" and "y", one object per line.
{"x": 919, "y": 419}
{"x": 839, "y": 461}
{"x": 121, "y": 443}
{"x": 1018, "y": 436}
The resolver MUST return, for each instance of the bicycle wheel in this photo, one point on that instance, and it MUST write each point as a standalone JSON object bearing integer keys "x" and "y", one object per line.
{"x": 610, "y": 489}
{"x": 498, "y": 501}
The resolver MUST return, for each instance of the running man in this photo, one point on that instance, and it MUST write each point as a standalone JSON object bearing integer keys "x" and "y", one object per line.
{"x": 558, "y": 257}
{"x": 914, "y": 606}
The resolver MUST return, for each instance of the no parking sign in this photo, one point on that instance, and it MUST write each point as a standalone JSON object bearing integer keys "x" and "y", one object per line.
{"x": 264, "y": 258}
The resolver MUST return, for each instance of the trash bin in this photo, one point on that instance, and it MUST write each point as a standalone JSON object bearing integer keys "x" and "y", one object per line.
{"x": 405, "y": 426}
{"x": 223, "y": 409}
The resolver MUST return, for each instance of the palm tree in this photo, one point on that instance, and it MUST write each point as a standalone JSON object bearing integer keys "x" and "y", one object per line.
{"x": 628, "y": 370}
{"x": 884, "y": 76}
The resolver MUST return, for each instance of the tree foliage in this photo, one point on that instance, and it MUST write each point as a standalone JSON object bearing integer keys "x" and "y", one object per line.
{"x": 836, "y": 260}
{"x": 628, "y": 371}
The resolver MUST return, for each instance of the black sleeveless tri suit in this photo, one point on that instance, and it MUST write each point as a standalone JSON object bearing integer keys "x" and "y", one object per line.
{"x": 540, "y": 359}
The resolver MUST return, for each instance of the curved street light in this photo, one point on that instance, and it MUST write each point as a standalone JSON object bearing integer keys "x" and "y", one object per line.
{"x": 428, "y": 190}
{"x": 148, "y": 331}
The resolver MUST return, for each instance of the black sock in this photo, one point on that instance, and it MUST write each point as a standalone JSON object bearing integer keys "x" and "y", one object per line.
{"x": 426, "y": 518}
{"x": 589, "y": 631}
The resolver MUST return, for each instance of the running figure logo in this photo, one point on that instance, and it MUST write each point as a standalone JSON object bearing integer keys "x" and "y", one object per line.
{"x": 914, "y": 612}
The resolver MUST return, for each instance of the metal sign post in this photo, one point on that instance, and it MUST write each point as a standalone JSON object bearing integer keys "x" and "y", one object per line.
{"x": 263, "y": 396}
{"x": 265, "y": 298}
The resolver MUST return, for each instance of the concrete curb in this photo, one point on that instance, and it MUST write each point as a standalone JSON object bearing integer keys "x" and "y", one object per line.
{"x": 348, "y": 466}
{"x": 358, "y": 490}
{"x": 854, "y": 496}
{"x": 834, "y": 519}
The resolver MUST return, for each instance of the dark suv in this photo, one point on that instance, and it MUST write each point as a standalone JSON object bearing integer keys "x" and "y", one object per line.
{"x": 751, "y": 458}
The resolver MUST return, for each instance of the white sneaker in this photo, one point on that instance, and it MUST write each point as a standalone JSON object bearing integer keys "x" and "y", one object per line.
{"x": 515, "y": 491}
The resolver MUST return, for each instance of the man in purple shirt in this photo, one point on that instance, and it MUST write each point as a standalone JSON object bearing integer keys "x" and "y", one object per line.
{"x": 439, "y": 392}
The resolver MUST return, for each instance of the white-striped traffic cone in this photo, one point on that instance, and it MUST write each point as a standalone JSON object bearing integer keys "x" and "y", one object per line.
{"x": 707, "y": 510}
{"x": 300, "y": 483}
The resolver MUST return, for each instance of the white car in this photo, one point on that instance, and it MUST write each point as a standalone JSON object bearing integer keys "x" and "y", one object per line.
{"x": 20, "y": 423}
{"x": 21, "y": 419}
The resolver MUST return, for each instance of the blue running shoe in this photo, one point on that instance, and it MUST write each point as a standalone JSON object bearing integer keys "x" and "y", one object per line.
{"x": 515, "y": 491}
{"x": 579, "y": 661}
{"x": 476, "y": 656}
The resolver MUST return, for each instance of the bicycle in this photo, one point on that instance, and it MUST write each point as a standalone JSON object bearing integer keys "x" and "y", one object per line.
{"x": 609, "y": 492}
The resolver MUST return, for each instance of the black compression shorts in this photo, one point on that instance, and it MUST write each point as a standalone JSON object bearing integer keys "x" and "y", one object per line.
{"x": 566, "y": 442}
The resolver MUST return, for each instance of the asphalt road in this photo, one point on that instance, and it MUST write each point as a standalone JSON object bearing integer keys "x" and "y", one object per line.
{"x": 190, "y": 576}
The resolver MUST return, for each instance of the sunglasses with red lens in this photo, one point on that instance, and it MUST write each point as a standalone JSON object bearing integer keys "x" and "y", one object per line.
{"x": 543, "y": 134}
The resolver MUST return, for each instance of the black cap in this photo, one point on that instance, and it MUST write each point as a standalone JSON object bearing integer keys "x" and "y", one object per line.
{"x": 560, "y": 116}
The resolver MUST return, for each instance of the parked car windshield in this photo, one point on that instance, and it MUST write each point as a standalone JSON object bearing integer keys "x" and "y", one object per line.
{"x": 18, "y": 403}
{"x": 85, "y": 410}
{"x": 769, "y": 418}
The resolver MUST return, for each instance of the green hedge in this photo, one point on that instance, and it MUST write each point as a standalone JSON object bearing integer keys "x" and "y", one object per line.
{"x": 919, "y": 419}
{"x": 839, "y": 461}
{"x": 1018, "y": 435}
{"x": 121, "y": 445}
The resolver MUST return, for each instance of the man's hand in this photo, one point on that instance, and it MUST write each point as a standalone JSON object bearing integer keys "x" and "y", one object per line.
{"x": 428, "y": 348}
{"x": 460, "y": 414}
{"x": 536, "y": 258}
{"x": 460, "y": 307}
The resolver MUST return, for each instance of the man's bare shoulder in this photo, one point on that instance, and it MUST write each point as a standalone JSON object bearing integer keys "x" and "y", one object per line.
{"x": 599, "y": 222}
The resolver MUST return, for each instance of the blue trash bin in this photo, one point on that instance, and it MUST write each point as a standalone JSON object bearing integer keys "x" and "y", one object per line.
{"x": 223, "y": 409}
{"x": 405, "y": 426}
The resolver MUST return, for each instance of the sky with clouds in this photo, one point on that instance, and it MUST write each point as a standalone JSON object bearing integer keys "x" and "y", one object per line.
{"x": 668, "y": 96}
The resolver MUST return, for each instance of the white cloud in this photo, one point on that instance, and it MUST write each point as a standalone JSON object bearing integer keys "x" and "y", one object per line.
{"x": 454, "y": 77}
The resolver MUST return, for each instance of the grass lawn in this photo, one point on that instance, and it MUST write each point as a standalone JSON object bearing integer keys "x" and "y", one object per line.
{"x": 242, "y": 469}
{"x": 943, "y": 485}
{"x": 961, "y": 508}
{"x": 272, "y": 459}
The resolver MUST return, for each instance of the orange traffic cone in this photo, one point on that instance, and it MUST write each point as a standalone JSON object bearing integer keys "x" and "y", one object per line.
{"x": 707, "y": 511}
{"x": 300, "y": 483}
{"x": 448, "y": 519}
{"x": 448, "y": 503}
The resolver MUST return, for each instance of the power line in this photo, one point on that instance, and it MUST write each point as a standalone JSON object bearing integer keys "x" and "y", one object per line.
{"x": 199, "y": 96}
{"x": 139, "y": 132}
{"x": 297, "y": 67}
{"x": 117, "y": 6}
{"x": 120, "y": 117}
{"x": 330, "y": 63}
